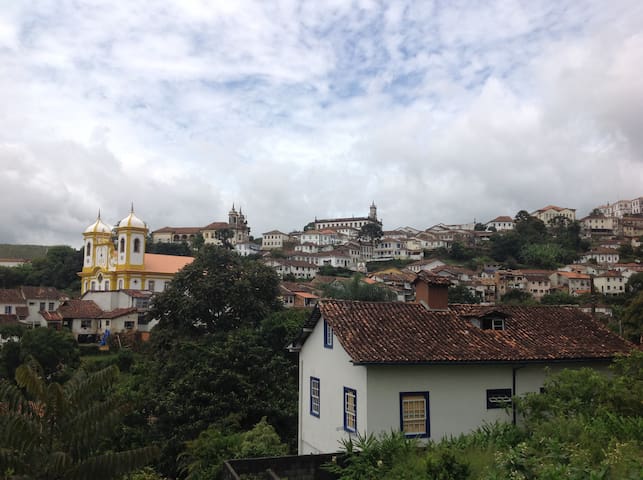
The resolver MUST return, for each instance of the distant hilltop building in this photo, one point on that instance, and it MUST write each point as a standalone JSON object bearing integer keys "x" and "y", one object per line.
{"x": 115, "y": 258}
{"x": 622, "y": 208}
{"x": 548, "y": 213}
{"x": 350, "y": 222}
{"x": 237, "y": 228}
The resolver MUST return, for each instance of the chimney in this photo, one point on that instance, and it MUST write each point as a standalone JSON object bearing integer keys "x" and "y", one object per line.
{"x": 432, "y": 291}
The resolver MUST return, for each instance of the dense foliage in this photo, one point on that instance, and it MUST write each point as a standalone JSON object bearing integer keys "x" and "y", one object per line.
{"x": 357, "y": 289}
{"x": 56, "y": 352}
{"x": 217, "y": 359}
{"x": 54, "y": 431}
{"x": 58, "y": 268}
{"x": 538, "y": 245}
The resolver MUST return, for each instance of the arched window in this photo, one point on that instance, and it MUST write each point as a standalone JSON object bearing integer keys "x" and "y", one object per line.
{"x": 137, "y": 245}
{"x": 120, "y": 284}
{"x": 88, "y": 249}
{"x": 122, "y": 245}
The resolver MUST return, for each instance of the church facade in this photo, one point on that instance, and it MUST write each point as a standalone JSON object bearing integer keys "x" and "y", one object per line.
{"x": 236, "y": 231}
{"x": 115, "y": 258}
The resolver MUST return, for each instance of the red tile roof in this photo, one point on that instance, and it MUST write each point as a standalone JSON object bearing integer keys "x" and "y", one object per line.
{"x": 119, "y": 312}
{"x": 403, "y": 333}
{"x": 80, "y": 309}
{"x": 217, "y": 226}
{"x": 11, "y": 295}
{"x": 41, "y": 293}
{"x": 157, "y": 263}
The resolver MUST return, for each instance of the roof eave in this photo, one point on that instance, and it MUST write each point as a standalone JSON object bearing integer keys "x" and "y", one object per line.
{"x": 486, "y": 362}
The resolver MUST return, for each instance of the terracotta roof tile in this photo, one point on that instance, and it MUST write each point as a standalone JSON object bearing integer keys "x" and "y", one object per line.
{"x": 393, "y": 332}
{"x": 157, "y": 263}
{"x": 41, "y": 293}
{"x": 11, "y": 295}
{"x": 80, "y": 309}
{"x": 119, "y": 312}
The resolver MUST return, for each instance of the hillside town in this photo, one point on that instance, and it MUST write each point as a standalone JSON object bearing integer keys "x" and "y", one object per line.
{"x": 119, "y": 277}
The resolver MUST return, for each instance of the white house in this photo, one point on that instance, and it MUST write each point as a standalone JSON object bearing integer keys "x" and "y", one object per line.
{"x": 601, "y": 255}
{"x": 273, "y": 239}
{"x": 431, "y": 370}
{"x": 500, "y": 224}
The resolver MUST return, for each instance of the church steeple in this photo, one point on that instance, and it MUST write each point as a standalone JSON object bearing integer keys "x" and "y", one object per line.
{"x": 373, "y": 211}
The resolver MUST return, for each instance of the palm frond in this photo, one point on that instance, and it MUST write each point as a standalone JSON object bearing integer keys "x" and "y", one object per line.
{"x": 33, "y": 383}
{"x": 113, "y": 464}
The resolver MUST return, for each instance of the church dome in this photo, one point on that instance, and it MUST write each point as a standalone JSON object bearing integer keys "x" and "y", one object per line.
{"x": 98, "y": 227}
{"x": 132, "y": 221}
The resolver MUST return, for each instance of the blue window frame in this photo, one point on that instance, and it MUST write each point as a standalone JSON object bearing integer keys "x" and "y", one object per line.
{"x": 315, "y": 398}
{"x": 328, "y": 335}
{"x": 350, "y": 409}
{"x": 414, "y": 414}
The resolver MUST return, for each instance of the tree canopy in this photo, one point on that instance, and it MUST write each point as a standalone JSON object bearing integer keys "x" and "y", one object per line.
{"x": 218, "y": 291}
{"x": 357, "y": 289}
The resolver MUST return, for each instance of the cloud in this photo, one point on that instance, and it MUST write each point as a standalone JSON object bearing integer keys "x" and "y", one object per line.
{"x": 438, "y": 112}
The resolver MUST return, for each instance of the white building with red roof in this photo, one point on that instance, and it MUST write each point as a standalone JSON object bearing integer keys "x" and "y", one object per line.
{"x": 429, "y": 369}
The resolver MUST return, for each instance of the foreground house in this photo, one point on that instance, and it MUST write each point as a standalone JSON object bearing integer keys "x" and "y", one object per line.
{"x": 430, "y": 369}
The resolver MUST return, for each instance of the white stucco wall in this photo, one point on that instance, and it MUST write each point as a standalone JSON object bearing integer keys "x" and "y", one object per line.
{"x": 334, "y": 370}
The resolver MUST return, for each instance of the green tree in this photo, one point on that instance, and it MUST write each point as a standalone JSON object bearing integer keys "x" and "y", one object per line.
{"x": 59, "y": 269}
{"x": 57, "y": 352}
{"x": 218, "y": 355}
{"x": 204, "y": 457}
{"x": 357, "y": 289}
{"x": 181, "y": 249}
{"x": 530, "y": 229}
{"x": 217, "y": 292}
{"x": 197, "y": 242}
{"x": 225, "y": 235}
{"x": 53, "y": 431}
{"x": 516, "y": 296}
{"x": 461, "y": 294}
{"x": 371, "y": 232}
{"x": 632, "y": 319}
{"x": 559, "y": 298}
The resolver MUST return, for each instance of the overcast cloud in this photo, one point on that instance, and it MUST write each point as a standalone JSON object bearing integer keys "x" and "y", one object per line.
{"x": 437, "y": 111}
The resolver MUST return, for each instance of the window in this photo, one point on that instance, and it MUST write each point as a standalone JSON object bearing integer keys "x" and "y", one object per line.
{"x": 107, "y": 285}
{"x": 42, "y": 306}
{"x": 88, "y": 249}
{"x": 93, "y": 286}
{"x": 314, "y": 396}
{"x": 120, "y": 284}
{"x": 350, "y": 410}
{"x": 495, "y": 323}
{"x": 150, "y": 285}
{"x": 50, "y": 307}
{"x": 414, "y": 410}
{"x": 121, "y": 248}
{"x": 129, "y": 324}
{"x": 85, "y": 324}
{"x": 498, "y": 398}
{"x": 137, "y": 245}
{"x": 166, "y": 284}
{"x": 107, "y": 323}
{"x": 328, "y": 335}
{"x": 7, "y": 309}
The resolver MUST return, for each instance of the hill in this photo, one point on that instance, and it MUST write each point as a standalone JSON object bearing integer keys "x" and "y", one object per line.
{"x": 28, "y": 252}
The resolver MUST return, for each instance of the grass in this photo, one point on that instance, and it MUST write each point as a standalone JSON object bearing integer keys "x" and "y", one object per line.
{"x": 28, "y": 252}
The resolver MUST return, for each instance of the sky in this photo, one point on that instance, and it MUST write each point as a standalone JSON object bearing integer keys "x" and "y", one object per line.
{"x": 438, "y": 111}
